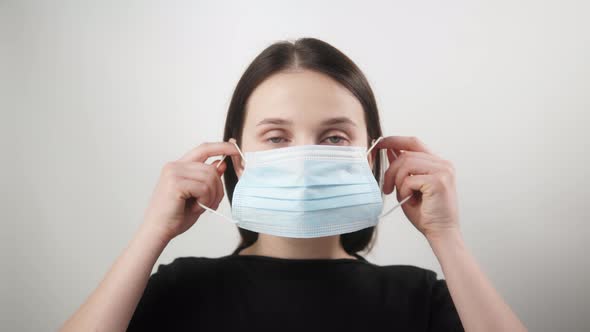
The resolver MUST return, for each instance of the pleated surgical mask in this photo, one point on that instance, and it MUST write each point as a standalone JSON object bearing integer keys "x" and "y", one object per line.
{"x": 307, "y": 191}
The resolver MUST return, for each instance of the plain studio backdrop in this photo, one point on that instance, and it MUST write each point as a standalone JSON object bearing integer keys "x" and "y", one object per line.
{"x": 97, "y": 97}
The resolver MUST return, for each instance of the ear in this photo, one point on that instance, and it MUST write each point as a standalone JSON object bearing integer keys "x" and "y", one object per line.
{"x": 237, "y": 161}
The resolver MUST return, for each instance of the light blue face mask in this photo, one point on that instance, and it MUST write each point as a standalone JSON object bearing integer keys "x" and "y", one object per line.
{"x": 308, "y": 191}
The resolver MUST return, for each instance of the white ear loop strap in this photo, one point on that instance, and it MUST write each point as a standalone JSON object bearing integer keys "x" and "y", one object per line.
{"x": 211, "y": 210}
{"x": 395, "y": 155}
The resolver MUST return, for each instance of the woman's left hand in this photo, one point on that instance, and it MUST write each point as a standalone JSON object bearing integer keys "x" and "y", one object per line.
{"x": 433, "y": 208}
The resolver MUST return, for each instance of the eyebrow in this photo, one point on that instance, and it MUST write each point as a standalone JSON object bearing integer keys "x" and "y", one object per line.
{"x": 275, "y": 121}
{"x": 337, "y": 121}
{"x": 328, "y": 122}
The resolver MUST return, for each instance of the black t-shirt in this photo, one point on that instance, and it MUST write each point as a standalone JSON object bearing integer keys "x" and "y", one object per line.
{"x": 260, "y": 293}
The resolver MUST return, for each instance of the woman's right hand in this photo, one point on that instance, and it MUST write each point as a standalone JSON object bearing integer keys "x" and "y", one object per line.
{"x": 173, "y": 207}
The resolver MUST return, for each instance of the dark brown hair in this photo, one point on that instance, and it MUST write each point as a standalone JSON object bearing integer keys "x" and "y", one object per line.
{"x": 319, "y": 56}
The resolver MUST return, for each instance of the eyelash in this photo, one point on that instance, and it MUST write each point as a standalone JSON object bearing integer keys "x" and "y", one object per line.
{"x": 341, "y": 138}
{"x": 269, "y": 140}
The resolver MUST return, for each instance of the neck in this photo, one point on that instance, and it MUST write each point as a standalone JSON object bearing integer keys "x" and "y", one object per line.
{"x": 328, "y": 247}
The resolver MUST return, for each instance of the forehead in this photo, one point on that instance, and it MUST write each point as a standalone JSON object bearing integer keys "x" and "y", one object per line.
{"x": 302, "y": 94}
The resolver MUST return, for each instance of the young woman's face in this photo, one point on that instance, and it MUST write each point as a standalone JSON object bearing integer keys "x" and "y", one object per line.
{"x": 300, "y": 108}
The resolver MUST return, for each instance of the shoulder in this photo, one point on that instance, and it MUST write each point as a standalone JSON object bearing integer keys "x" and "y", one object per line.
{"x": 424, "y": 286}
{"x": 218, "y": 269}
{"x": 187, "y": 268}
{"x": 193, "y": 262}
{"x": 166, "y": 292}
{"x": 408, "y": 274}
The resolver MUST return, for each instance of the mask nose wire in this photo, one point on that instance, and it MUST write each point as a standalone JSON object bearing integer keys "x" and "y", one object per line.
{"x": 395, "y": 155}
{"x": 210, "y": 209}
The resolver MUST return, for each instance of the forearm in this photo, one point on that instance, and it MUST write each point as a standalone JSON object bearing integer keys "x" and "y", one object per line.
{"x": 480, "y": 307}
{"x": 112, "y": 304}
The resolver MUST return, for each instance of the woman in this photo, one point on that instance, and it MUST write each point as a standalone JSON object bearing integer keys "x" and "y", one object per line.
{"x": 292, "y": 97}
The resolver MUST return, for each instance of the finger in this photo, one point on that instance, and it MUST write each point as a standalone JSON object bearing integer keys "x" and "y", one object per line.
{"x": 206, "y": 150}
{"x": 193, "y": 170}
{"x": 188, "y": 188}
{"x": 405, "y": 158}
{"x": 211, "y": 179}
{"x": 408, "y": 155}
{"x": 390, "y": 155}
{"x": 220, "y": 193}
{"x": 220, "y": 165}
{"x": 218, "y": 184}
{"x": 414, "y": 166}
{"x": 393, "y": 154}
{"x": 203, "y": 173}
{"x": 415, "y": 183}
{"x": 408, "y": 143}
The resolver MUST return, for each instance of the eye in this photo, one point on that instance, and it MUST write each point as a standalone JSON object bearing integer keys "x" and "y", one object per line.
{"x": 335, "y": 139}
{"x": 275, "y": 140}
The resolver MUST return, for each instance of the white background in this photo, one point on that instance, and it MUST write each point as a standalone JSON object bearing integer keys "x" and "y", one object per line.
{"x": 96, "y": 97}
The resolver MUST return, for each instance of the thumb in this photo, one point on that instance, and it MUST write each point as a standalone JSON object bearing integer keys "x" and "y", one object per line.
{"x": 221, "y": 166}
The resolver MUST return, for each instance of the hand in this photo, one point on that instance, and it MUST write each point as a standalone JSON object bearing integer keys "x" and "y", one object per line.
{"x": 173, "y": 208}
{"x": 433, "y": 208}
